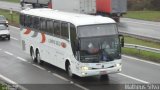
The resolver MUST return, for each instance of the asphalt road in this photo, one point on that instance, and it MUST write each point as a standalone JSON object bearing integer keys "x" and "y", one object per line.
{"x": 142, "y": 28}
{"x": 146, "y": 29}
{"x": 17, "y": 66}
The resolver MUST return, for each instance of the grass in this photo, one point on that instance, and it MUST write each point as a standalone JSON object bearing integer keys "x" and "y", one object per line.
{"x": 14, "y": 1}
{"x": 7, "y": 14}
{"x": 131, "y": 40}
{"x": 155, "y": 57}
{"x": 144, "y": 15}
{"x": 3, "y": 87}
{"x": 140, "y": 53}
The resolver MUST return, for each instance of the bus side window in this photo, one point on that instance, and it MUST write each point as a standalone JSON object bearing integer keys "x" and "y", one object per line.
{"x": 43, "y": 25}
{"x": 57, "y": 30}
{"x": 73, "y": 38}
{"x": 29, "y": 21}
{"x": 22, "y": 19}
{"x": 64, "y": 30}
{"x": 26, "y": 21}
{"x": 36, "y": 23}
{"x": 50, "y": 28}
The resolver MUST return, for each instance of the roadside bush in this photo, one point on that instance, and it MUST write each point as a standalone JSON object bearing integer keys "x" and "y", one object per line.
{"x": 138, "y": 5}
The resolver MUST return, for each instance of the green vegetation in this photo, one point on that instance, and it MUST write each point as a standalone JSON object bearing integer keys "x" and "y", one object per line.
{"x": 14, "y": 1}
{"x": 7, "y": 14}
{"x": 144, "y": 15}
{"x": 155, "y": 57}
{"x": 131, "y": 40}
{"x": 3, "y": 87}
{"x": 140, "y": 53}
{"x": 140, "y": 5}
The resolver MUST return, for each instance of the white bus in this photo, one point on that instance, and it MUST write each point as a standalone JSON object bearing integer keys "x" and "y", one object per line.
{"x": 83, "y": 45}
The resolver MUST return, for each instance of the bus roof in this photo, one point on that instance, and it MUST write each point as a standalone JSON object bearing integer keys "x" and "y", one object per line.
{"x": 74, "y": 18}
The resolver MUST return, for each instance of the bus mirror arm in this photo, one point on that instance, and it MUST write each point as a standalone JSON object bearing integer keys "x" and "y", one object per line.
{"x": 77, "y": 46}
{"x": 121, "y": 40}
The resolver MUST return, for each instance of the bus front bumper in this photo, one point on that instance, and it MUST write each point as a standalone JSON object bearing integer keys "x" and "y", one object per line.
{"x": 96, "y": 72}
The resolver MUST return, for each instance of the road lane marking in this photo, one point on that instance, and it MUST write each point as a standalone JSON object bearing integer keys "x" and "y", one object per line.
{"x": 141, "y": 60}
{"x": 39, "y": 67}
{"x": 29, "y": 62}
{"x": 133, "y": 78}
{"x": 80, "y": 86}
{"x": 8, "y": 53}
{"x": 21, "y": 59}
{"x": 11, "y": 82}
{"x": 49, "y": 71}
{"x": 8, "y": 80}
{"x": 14, "y": 38}
{"x": 63, "y": 78}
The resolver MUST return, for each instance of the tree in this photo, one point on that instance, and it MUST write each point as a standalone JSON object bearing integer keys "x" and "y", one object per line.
{"x": 155, "y": 4}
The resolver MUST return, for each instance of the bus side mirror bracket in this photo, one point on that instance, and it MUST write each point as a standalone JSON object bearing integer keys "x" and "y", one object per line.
{"x": 77, "y": 45}
{"x": 121, "y": 40}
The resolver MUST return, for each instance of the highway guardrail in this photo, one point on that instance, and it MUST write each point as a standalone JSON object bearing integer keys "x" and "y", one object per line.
{"x": 140, "y": 47}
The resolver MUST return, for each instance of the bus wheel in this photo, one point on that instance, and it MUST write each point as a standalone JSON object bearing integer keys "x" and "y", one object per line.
{"x": 104, "y": 77}
{"x": 38, "y": 58}
{"x": 32, "y": 54}
{"x": 69, "y": 70}
{"x": 8, "y": 37}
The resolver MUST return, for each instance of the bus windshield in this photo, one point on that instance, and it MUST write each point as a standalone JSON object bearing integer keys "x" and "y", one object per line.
{"x": 99, "y": 46}
{"x": 97, "y": 30}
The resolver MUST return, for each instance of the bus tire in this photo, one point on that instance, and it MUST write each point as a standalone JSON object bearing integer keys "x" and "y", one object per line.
{"x": 104, "y": 77}
{"x": 32, "y": 54}
{"x": 8, "y": 37}
{"x": 38, "y": 58}
{"x": 69, "y": 70}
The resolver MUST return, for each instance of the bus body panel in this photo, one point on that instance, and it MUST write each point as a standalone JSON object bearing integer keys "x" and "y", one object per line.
{"x": 51, "y": 53}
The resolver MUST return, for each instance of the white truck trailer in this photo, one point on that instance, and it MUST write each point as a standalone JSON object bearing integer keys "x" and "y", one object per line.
{"x": 111, "y": 8}
{"x": 77, "y": 6}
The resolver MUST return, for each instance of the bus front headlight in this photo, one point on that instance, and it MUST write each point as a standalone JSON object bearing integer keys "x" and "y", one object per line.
{"x": 117, "y": 65}
{"x": 84, "y": 68}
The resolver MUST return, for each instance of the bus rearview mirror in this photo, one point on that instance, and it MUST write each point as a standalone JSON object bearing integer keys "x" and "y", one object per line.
{"x": 121, "y": 40}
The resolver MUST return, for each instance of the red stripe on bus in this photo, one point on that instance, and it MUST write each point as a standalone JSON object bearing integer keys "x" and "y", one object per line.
{"x": 43, "y": 38}
{"x": 50, "y": 5}
{"x": 63, "y": 45}
{"x": 28, "y": 30}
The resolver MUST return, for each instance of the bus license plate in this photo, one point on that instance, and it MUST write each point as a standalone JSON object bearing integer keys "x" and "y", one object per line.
{"x": 3, "y": 36}
{"x": 103, "y": 72}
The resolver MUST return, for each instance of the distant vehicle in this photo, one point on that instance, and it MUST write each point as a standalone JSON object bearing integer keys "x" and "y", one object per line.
{"x": 4, "y": 31}
{"x": 112, "y": 8}
{"x": 83, "y": 45}
{"x": 3, "y": 20}
{"x": 76, "y": 6}
{"x": 36, "y": 3}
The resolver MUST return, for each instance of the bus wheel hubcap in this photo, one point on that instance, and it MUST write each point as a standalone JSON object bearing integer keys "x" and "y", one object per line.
{"x": 38, "y": 58}
{"x": 69, "y": 70}
{"x": 32, "y": 55}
